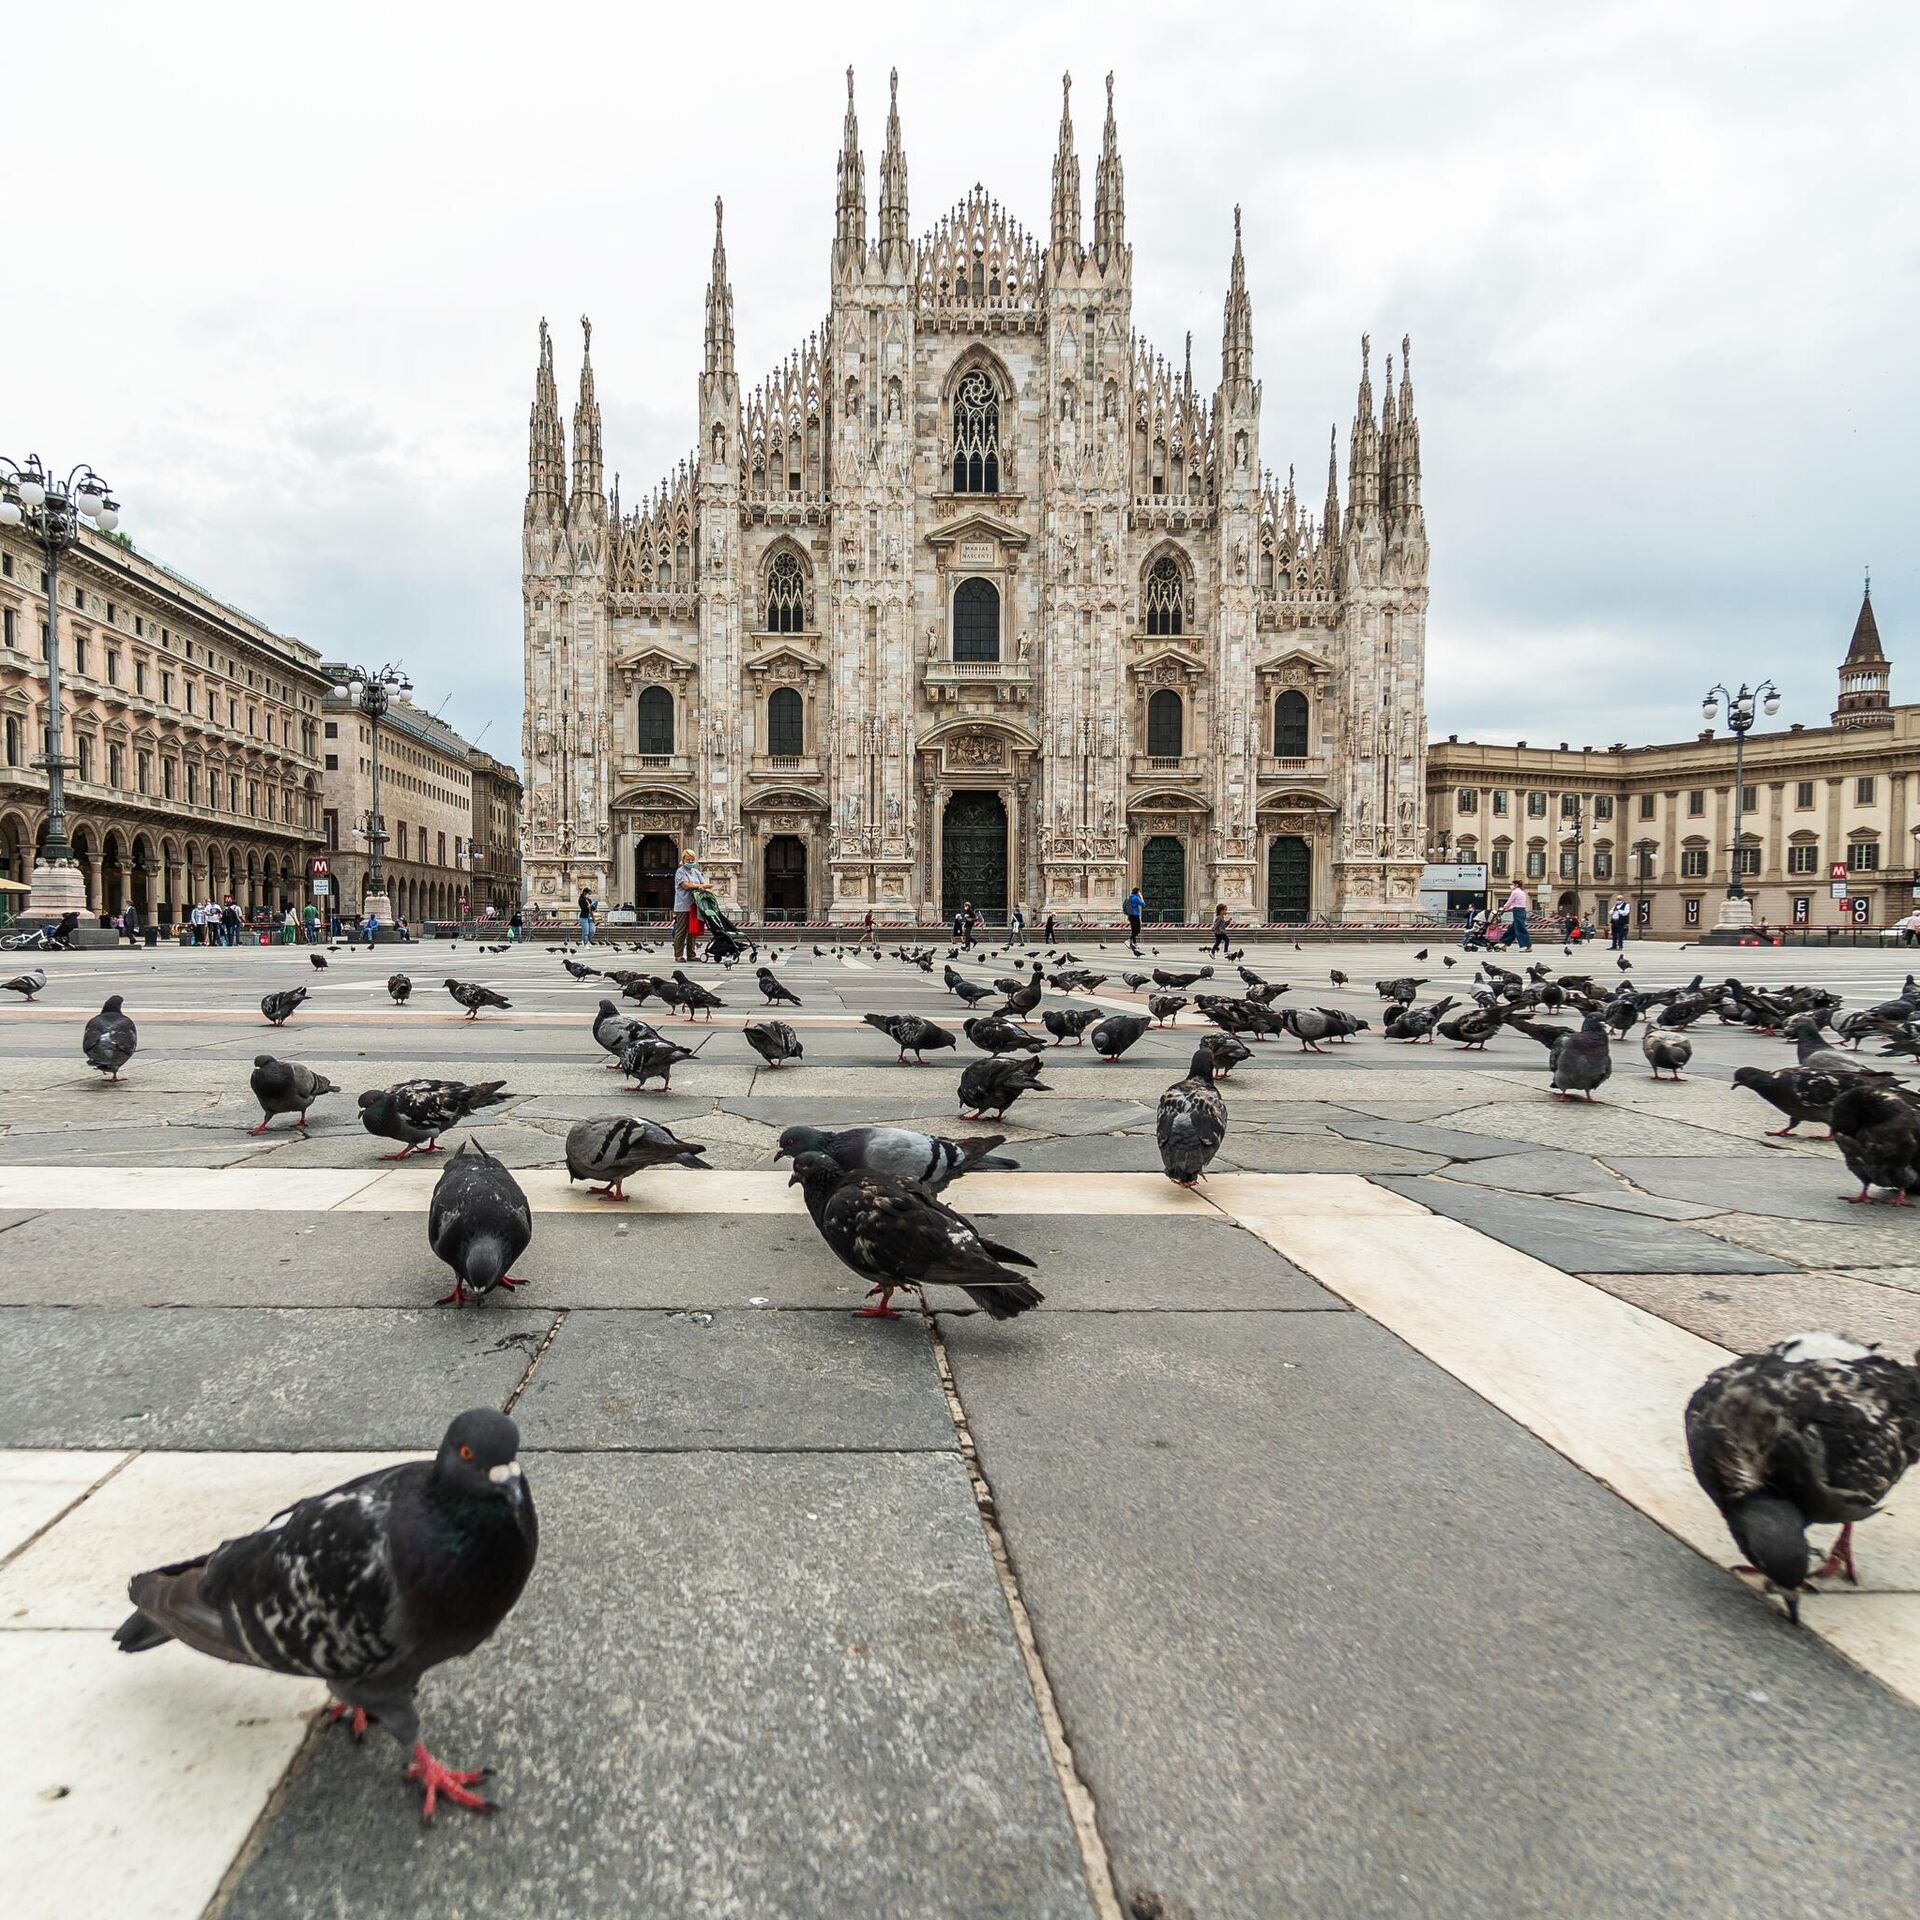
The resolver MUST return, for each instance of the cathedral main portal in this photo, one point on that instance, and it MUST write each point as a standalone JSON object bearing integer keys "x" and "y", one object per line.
{"x": 973, "y": 854}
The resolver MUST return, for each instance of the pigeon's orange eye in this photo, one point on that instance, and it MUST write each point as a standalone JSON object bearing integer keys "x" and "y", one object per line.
{"x": 466, "y": 1453}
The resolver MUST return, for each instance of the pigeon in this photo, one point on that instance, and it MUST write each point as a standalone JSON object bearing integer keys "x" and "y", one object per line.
{"x": 612, "y": 1149}
{"x": 1584, "y": 1061}
{"x": 1878, "y": 1133}
{"x": 1338, "y": 978}
{"x": 1069, "y": 1023}
{"x": 1192, "y": 1122}
{"x": 895, "y": 1233}
{"x": 1801, "y": 1093}
{"x": 1812, "y": 1049}
{"x": 1162, "y": 978}
{"x": 1418, "y": 1023}
{"x": 1813, "y": 1431}
{"x": 278, "y": 1006}
{"x": 1023, "y": 999}
{"x": 473, "y": 996}
{"x": 773, "y": 990}
{"x": 1136, "y": 981}
{"x": 1165, "y": 1007}
{"x": 418, "y": 1112}
{"x": 1117, "y": 1032}
{"x": 992, "y": 1034}
{"x": 993, "y": 1083}
{"x": 1405, "y": 988}
{"x": 899, "y": 1152}
{"x": 1309, "y": 1025}
{"x": 971, "y": 992}
{"x": 911, "y": 1034}
{"x": 1665, "y": 1049}
{"x": 1248, "y": 978}
{"x": 773, "y": 1040}
{"x": 27, "y": 984}
{"x": 694, "y": 997}
{"x": 399, "y": 987}
{"x": 579, "y": 971}
{"x": 1228, "y": 1051}
{"x": 318, "y": 961}
{"x": 1471, "y": 1026}
{"x": 479, "y": 1223}
{"x": 110, "y": 1038}
{"x": 648, "y": 1053}
{"x": 366, "y": 1587}
{"x": 1418, "y": 957}
{"x": 616, "y": 1032}
{"x": 284, "y": 1086}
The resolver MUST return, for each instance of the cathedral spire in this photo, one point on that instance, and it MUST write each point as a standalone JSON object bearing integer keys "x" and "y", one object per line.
{"x": 1236, "y": 338}
{"x": 1389, "y": 446}
{"x": 546, "y": 439}
{"x": 719, "y": 301}
{"x": 1330, "y": 526}
{"x": 850, "y": 199}
{"x": 1363, "y": 446}
{"x": 1407, "y": 456}
{"x": 1109, "y": 195}
{"x": 895, "y": 238}
{"x": 588, "y": 483}
{"x": 1066, "y": 185}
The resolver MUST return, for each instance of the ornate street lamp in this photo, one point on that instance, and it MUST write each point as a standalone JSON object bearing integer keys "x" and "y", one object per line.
{"x": 1740, "y": 717}
{"x": 372, "y": 690}
{"x": 51, "y": 511}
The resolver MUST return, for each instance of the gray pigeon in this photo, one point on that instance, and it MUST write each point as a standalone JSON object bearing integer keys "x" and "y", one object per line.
{"x": 1117, "y": 1032}
{"x": 898, "y": 1152}
{"x": 1583, "y": 1060}
{"x": 911, "y": 1034}
{"x": 278, "y": 1006}
{"x": 773, "y": 1040}
{"x": 992, "y": 1034}
{"x": 479, "y": 1223}
{"x": 773, "y": 989}
{"x": 1309, "y": 1025}
{"x": 611, "y": 1149}
{"x": 617, "y": 1031}
{"x": 1069, "y": 1023}
{"x": 1228, "y": 1051}
{"x": 473, "y": 996}
{"x": 27, "y": 984}
{"x": 994, "y": 1082}
{"x": 366, "y": 1587}
{"x": 649, "y": 1053}
{"x": 399, "y": 986}
{"x": 1666, "y": 1049}
{"x": 110, "y": 1039}
{"x": 285, "y": 1086}
{"x": 1192, "y": 1122}
{"x": 418, "y": 1112}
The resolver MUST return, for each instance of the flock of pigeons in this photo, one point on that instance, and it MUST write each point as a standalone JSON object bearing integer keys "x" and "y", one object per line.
{"x": 370, "y": 1585}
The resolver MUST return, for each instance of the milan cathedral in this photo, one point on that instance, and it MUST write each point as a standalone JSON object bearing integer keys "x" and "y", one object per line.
{"x": 978, "y": 598}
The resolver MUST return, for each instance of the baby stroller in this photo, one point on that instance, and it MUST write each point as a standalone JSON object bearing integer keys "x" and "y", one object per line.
{"x": 1487, "y": 936}
{"x": 723, "y": 937}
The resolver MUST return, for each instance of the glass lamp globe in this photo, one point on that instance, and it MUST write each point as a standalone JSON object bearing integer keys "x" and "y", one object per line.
{"x": 10, "y": 513}
{"x": 1772, "y": 705}
{"x": 105, "y": 518}
{"x": 89, "y": 499}
{"x": 31, "y": 492}
{"x": 1709, "y": 709}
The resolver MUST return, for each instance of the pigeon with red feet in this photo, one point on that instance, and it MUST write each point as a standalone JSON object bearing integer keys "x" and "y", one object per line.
{"x": 418, "y": 1112}
{"x": 479, "y": 1223}
{"x": 610, "y": 1149}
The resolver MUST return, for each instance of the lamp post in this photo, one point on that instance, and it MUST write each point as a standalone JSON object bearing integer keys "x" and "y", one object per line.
{"x": 1734, "y": 910}
{"x": 372, "y": 690}
{"x": 1577, "y": 834}
{"x": 50, "y": 510}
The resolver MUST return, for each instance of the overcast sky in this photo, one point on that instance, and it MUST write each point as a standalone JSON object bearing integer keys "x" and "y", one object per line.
{"x": 277, "y": 272}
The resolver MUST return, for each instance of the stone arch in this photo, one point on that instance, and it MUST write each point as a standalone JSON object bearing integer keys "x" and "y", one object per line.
{"x": 1167, "y": 602}
{"x": 786, "y": 588}
{"x": 973, "y": 406}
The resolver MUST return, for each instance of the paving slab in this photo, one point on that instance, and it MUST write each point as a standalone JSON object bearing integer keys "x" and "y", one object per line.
{"x": 1500, "y": 1722}
{"x": 890, "y": 1762}
{"x": 1749, "y": 1310}
{"x": 1599, "y": 1127}
{"x": 737, "y": 1379}
{"x": 271, "y": 1379}
{"x": 1547, "y": 1170}
{"x": 1579, "y": 1239}
{"x": 1450, "y": 1143}
{"x": 1878, "y": 1235}
{"x": 1786, "y": 1186}
{"x": 1650, "y": 1206}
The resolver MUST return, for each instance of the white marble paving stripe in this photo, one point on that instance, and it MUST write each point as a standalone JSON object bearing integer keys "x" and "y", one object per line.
{"x": 408, "y": 1189}
{"x": 1600, "y": 1380}
{"x": 37, "y": 1487}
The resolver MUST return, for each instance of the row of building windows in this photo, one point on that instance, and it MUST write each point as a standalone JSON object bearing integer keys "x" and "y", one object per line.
{"x": 1467, "y": 800}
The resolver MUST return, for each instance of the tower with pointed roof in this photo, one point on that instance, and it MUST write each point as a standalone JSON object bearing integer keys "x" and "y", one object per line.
{"x": 1866, "y": 677}
{"x": 977, "y": 596}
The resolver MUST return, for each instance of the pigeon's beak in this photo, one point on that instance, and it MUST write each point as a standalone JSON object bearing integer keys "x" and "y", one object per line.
{"x": 793, "y": 1179}
{"x": 780, "y": 1153}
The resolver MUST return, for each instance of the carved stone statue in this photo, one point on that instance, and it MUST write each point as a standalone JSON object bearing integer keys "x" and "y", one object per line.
{"x": 1023, "y": 647}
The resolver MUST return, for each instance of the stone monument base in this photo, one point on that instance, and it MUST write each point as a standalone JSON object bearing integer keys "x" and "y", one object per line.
{"x": 56, "y": 890}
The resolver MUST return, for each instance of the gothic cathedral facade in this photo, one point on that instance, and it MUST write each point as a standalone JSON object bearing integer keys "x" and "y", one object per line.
{"x": 978, "y": 598}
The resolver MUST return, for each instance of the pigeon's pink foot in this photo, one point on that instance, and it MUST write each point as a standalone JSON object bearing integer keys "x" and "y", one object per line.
{"x": 1780, "y": 1133}
{"x": 261, "y": 1128}
{"x": 883, "y": 1311}
{"x": 338, "y": 1710}
{"x": 510, "y": 1283}
{"x": 457, "y": 1298}
{"x": 1838, "y": 1565}
{"x": 440, "y": 1780}
{"x": 1864, "y": 1198}
{"x": 613, "y": 1190}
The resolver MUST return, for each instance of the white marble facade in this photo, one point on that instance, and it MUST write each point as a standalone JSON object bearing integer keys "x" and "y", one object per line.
{"x": 976, "y": 593}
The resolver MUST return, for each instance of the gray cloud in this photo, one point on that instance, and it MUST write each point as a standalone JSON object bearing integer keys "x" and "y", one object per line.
{"x": 1656, "y": 262}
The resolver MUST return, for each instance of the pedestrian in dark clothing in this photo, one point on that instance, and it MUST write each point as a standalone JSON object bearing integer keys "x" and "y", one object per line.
{"x": 1135, "y": 907}
{"x": 1049, "y": 930}
{"x": 1617, "y": 917}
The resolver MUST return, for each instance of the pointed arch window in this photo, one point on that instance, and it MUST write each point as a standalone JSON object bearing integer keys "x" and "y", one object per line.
{"x": 1165, "y": 725}
{"x": 786, "y": 722}
{"x": 656, "y": 721}
{"x": 786, "y": 595}
{"x": 976, "y": 621}
{"x": 1290, "y": 725}
{"x": 976, "y": 435}
{"x": 1165, "y": 600}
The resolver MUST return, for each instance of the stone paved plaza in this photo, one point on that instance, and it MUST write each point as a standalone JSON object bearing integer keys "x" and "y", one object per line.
{"x": 1325, "y": 1545}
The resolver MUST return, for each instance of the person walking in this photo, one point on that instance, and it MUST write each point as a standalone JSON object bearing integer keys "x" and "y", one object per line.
{"x": 310, "y": 918}
{"x": 1017, "y": 926}
{"x": 585, "y": 905}
{"x": 229, "y": 923}
{"x": 959, "y": 926}
{"x": 1617, "y": 916}
{"x": 968, "y": 921}
{"x": 1221, "y": 942}
{"x": 1136, "y": 906}
{"x": 516, "y": 923}
{"x": 1049, "y": 929}
{"x": 686, "y": 876}
{"x": 1516, "y": 934}
{"x": 197, "y": 923}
